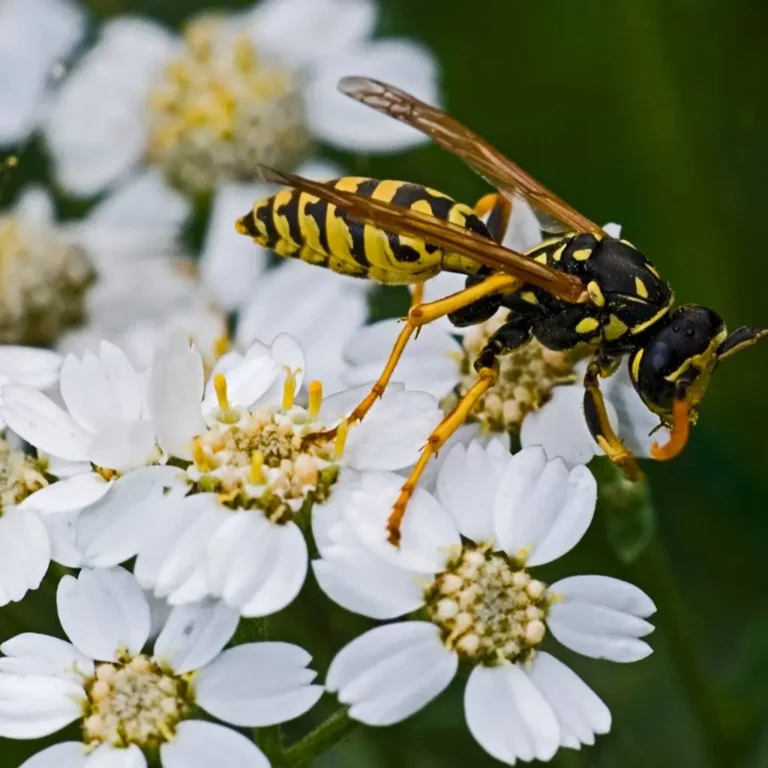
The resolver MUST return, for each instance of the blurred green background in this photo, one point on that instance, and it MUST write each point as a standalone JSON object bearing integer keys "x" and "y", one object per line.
{"x": 651, "y": 113}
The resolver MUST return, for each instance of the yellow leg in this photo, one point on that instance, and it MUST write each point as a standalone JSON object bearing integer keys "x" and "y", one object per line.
{"x": 600, "y": 426}
{"x": 420, "y": 315}
{"x": 417, "y": 294}
{"x": 487, "y": 378}
{"x": 500, "y": 208}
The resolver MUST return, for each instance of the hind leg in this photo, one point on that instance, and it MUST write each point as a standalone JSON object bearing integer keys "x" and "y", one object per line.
{"x": 513, "y": 334}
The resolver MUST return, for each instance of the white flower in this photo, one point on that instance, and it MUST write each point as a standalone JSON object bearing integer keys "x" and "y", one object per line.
{"x": 35, "y": 35}
{"x": 250, "y": 477}
{"x": 103, "y": 430}
{"x": 130, "y": 702}
{"x": 319, "y": 308}
{"x": 464, "y": 561}
{"x": 171, "y": 99}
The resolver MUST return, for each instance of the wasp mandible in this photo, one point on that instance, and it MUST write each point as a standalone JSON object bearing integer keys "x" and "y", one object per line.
{"x": 581, "y": 286}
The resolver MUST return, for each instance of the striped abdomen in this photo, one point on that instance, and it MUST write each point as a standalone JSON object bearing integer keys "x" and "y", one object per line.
{"x": 299, "y": 225}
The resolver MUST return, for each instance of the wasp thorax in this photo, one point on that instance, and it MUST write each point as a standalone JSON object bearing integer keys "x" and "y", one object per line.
{"x": 220, "y": 110}
{"x": 20, "y": 475}
{"x": 489, "y": 609}
{"x": 43, "y": 281}
{"x": 134, "y": 702}
{"x": 527, "y": 377}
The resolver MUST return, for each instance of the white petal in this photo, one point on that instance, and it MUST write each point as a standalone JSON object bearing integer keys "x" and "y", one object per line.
{"x": 248, "y": 379}
{"x": 353, "y": 577}
{"x": 289, "y": 355}
{"x": 63, "y": 537}
{"x": 428, "y": 533}
{"x": 25, "y": 553}
{"x": 40, "y": 422}
{"x": 113, "y": 529}
{"x": 523, "y": 231}
{"x": 198, "y": 744}
{"x": 508, "y": 715}
{"x": 193, "y": 635}
{"x": 258, "y": 684}
{"x": 176, "y": 390}
{"x": 29, "y": 366}
{"x": 391, "y": 672}
{"x": 466, "y": 487}
{"x": 612, "y": 229}
{"x": 604, "y": 590}
{"x": 68, "y": 754}
{"x": 429, "y": 363}
{"x": 306, "y": 32}
{"x": 103, "y": 97}
{"x": 34, "y": 34}
{"x": 31, "y": 653}
{"x": 542, "y": 510}
{"x": 103, "y": 611}
{"x": 68, "y": 495}
{"x": 579, "y": 710}
{"x": 123, "y": 446}
{"x": 142, "y": 217}
{"x": 107, "y": 756}
{"x": 342, "y": 122}
{"x": 394, "y": 431}
{"x": 32, "y": 706}
{"x": 559, "y": 427}
{"x": 231, "y": 264}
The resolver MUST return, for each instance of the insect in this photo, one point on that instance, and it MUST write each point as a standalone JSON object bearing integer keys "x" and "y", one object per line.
{"x": 579, "y": 286}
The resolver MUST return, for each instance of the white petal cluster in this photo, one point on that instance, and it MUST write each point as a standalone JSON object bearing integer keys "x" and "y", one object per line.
{"x": 464, "y": 560}
{"x": 129, "y": 701}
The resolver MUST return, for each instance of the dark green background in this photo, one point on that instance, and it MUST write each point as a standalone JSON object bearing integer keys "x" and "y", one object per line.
{"x": 651, "y": 113}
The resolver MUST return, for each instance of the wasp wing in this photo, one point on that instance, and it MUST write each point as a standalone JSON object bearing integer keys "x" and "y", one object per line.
{"x": 555, "y": 215}
{"x": 442, "y": 234}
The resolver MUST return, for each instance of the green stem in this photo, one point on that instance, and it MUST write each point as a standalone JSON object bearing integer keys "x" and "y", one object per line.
{"x": 726, "y": 727}
{"x": 328, "y": 734}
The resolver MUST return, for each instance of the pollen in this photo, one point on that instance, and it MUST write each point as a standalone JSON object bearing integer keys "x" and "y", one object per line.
{"x": 527, "y": 377}
{"x": 44, "y": 278}
{"x": 489, "y": 609}
{"x": 20, "y": 475}
{"x": 220, "y": 109}
{"x": 136, "y": 702}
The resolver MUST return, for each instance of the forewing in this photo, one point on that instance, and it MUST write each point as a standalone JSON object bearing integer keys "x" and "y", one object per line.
{"x": 555, "y": 215}
{"x": 442, "y": 234}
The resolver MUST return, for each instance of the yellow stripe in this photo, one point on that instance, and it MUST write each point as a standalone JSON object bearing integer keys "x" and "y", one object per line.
{"x": 582, "y": 254}
{"x": 529, "y": 296}
{"x": 386, "y": 190}
{"x": 587, "y": 325}
{"x": 558, "y": 254}
{"x": 310, "y": 231}
{"x": 640, "y": 288}
{"x": 349, "y": 183}
{"x": 338, "y": 235}
{"x": 593, "y": 289}
{"x": 281, "y": 222}
{"x": 635, "y": 370}
{"x": 648, "y": 323}
{"x": 615, "y": 328}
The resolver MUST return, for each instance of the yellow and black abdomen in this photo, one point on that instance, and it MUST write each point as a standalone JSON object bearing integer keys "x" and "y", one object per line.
{"x": 299, "y": 225}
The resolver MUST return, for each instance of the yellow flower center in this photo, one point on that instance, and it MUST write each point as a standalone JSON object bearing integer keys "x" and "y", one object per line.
{"x": 488, "y": 608}
{"x": 43, "y": 280}
{"x": 20, "y": 475}
{"x": 220, "y": 110}
{"x": 527, "y": 377}
{"x": 134, "y": 702}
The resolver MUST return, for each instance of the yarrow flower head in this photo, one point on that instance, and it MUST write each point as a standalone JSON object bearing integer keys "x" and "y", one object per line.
{"x": 242, "y": 476}
{"x": 465, "y": 563}
{"x": 133, "y": 704}
{"x": 236, "y": 90}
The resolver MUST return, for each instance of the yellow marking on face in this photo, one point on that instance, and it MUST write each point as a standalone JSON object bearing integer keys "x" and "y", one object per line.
{"x": 635, "y": 369}
{"x": 593, "y": 289}
{"x": 640, "y": 288}
{"x": 558, "y": 254}
{"x": 652, "y": 269}
{"x": 615, "y": 328}
{"x": 529, "y": 296}
{"x": 648, "y": 323}
{"x": 587, "y": 325}
{"x": 704, "y": 361}
{"x": 582, "y": 254}
{"x": 541, "y": 258}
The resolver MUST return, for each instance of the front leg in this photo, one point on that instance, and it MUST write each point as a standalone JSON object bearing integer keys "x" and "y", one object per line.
{"x": 597, "y": 418}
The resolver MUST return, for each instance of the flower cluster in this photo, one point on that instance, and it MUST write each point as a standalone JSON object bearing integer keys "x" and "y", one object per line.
{"x": 192, "y": 449}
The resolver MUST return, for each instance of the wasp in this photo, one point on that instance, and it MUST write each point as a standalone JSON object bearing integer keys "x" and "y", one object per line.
{"x": 580, "y": 286}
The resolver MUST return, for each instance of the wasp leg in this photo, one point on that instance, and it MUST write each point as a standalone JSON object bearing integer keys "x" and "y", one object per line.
{"x": 417, "y": 294}
{"x": 680, "y": 429}
{"x": 420, "y": 315}
{"x": 500, "y": 209}
{"x": 599, "y": 424}
{"x": 487, "y": 378}
{"x": 513, "y": 334}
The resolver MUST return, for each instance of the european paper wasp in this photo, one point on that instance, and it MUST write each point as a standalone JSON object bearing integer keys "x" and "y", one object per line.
{"x": 580, "y": 286}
